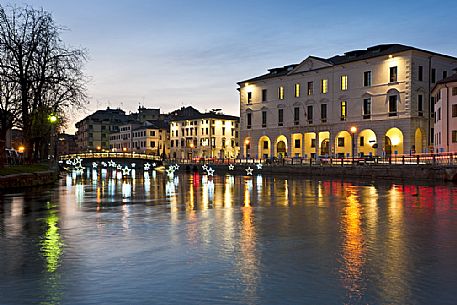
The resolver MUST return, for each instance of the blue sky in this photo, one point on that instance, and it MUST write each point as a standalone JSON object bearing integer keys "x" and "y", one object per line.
{"x": 172, "y": 53}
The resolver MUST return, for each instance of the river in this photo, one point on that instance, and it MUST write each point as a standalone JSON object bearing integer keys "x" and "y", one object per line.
{"x": 194, "y": 239}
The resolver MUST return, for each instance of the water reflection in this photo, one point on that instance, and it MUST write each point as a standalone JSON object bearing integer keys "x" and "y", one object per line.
{"x": 228, "y": 239}
{"x": 353, "y": 252}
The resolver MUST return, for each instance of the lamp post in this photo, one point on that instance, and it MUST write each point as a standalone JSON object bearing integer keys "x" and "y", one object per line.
{"x": 353, "y": 132}
{"x": 52, "y": 118}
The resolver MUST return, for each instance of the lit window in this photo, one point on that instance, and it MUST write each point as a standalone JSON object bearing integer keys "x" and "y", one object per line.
{"x": 343, "y": 111}
{"x": 324, "y": 86}
{"x": 297, "y": 90}
{"x": 344, "y": 82}
{"x": 281, "y": 93}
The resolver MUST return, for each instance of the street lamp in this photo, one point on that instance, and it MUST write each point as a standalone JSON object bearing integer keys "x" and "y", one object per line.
{"x": 353, "y": 132}
{"x": 52, "y": 118}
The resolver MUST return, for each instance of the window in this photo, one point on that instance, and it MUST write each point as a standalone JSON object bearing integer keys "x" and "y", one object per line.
{"x": 281, "y": 93}
{"x": 432, "y": 106}
{"x": 153, "y": 144}
{"x": 265, "y": 144}
{"x": 323, "y": 113}
{"x": 393, "y": 74}
{"x": 420, "y": 76}
{"x": 432, "y": 132}
{"x": 310, "y": 88}
{"x": 313, "y": 143}
{"x": 343, "y": 112}
{"x": 439, "y": 114}
{"x": 264, "y": 119}
{"x": 362, "y": 141}
{"x": 344, "y": 82}
{"x": 296, "y": 115}
{"x": 297, "y": 90}
{"x": 454, "y": 110}
{"x": 249, "y": 97}
{"x": 454, "y": 91}
{"x": 297, "y": 143}
{"x": 324, "y": 86}
{"x": 420, "y": 105}
{"x": 454, "y": 136}
{"x": 310, "y": 114}
{"x": 248, "y": 119}
{"x": 392, "y": 105}
{"x": 280, "y": 117}
{"x": 367, "y": 108}
{"x": 444, "y": 74}
{"x": 367, "y": 78}
{"x": 264, "y": 95}
{"x": 341, "y": 142}
{"x": 223, "y": 131}
{"x": 433, "y": 75}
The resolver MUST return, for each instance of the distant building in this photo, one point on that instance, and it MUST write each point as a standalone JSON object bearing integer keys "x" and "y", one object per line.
{"x": 382, "y": 94}
{"x": 66, "y": 144}
{"x": 445, "y": 93}
{"x": 94, "y": 130}
{"x": 194, "y": 134}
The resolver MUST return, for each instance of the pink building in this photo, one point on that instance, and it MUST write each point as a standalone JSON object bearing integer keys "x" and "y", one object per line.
{"x": 445, "y": 131}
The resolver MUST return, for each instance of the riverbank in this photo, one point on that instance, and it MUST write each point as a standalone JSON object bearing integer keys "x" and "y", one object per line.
{"x": 372, "y": 172}
{"x": 21, "y": 176}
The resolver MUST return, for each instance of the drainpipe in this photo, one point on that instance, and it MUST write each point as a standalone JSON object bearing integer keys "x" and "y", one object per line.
{"x": 447, "y": 116}
{"x": 429, "y": 100}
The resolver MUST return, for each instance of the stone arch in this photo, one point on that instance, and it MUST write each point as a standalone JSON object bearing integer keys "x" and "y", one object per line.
{"x": 281, "y": 146}
{"x": 367, "y": 143}
{"x": 264, "y": 147}
{"x": 393, "y": 143}
{"x": 343, "y": 144}
{"x": 418, "y": 141}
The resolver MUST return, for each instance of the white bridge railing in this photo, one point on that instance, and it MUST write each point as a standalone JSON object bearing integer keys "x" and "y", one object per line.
{"x": 110, "y": 155}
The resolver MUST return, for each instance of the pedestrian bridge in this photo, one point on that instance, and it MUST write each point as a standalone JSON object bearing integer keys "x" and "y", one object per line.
{"x": 118, "y": 157}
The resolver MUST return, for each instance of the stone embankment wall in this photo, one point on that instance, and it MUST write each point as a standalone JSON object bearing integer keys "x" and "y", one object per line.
{"x": 372, "y": 172}
{"x": 28, "y": 179}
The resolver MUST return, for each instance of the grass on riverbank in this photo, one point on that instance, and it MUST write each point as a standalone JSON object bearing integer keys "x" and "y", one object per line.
{"x": 23, "y": 169}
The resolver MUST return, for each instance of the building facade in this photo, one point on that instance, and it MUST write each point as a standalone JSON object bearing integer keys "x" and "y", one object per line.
{"x": 204, "y": 135}
{"x": 366, "y": 102}
{"x": 150, "y": 137}
{"x": 445, "y": 96}
{"x": 93, "y": 132}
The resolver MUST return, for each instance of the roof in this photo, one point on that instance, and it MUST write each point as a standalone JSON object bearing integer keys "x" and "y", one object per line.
{"x": 351, "y": 56}
{"x": 156, "y": 124}
{"x": 207, "y": 115}
{"x": 449, "y": 79}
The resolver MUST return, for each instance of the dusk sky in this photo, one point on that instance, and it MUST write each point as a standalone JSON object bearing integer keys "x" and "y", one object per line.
{"x": 168, "y": 54}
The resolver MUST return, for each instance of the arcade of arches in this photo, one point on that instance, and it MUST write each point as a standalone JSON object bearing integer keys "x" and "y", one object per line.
{"x": 363, "y": 142}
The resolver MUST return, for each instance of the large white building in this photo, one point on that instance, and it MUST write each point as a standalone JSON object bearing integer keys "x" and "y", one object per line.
{"x": 445, "y": 93}
{"x": 367, "y": 102}
{"x": 203, "y": 135}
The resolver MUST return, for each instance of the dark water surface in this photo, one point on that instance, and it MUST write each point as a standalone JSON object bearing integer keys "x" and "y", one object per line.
{"x": 229, "y": 240}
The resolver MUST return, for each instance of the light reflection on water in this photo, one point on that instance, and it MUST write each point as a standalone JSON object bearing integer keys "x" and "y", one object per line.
{"x": 195, "y": 239}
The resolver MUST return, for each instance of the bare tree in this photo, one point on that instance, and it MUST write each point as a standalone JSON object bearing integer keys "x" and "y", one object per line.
{"x": 47, "y": 74}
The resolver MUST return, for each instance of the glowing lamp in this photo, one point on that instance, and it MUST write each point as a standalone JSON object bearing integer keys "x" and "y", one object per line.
{"x": 246, "y": 141}
{"x": 124, "y": 149}
{"x": 21, "y": 149}
{"x": 395, "y": 141}
{"x": 98, "y": 148}
{"x": 353, "y": 129}
{"x": 52, "y": 118}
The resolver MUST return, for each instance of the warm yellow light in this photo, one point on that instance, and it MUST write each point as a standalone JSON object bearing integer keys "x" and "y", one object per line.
{"x": 353, "y": 129}
{"x": 390, "y": 56}
{"x": 98, "y": 148}
{"x": 395, "y": 141}
{"x": 246, "y": 141}
{"x": 124, "y": 149}
{"x": 21, "y": 149}
{"x": 52, "y": 118}
{"x": 191, "y": 145}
